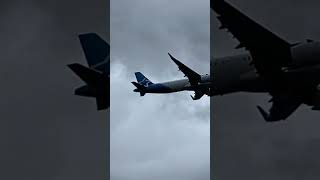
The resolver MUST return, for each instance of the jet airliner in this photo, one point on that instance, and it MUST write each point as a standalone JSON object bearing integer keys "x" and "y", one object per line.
{"x": 97, "y": 75}
{"x": 288, "y": 72}
{"x": 194, "y": 82}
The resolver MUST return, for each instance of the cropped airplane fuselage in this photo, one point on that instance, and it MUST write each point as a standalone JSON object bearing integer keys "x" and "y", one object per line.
{"x": 178, "y": 85}
{"x": 236, "y": 74}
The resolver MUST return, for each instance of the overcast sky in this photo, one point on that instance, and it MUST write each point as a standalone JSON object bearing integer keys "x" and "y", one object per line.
{"x": 158, "y": 136}
{"x": 47, "y": 133}
{"x": 242, "y": 142}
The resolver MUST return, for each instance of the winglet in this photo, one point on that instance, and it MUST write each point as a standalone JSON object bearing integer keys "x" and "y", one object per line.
{"x": 194, "y": 78}
{"x": 174, "y": 59}
{"x": 264, "y": 114}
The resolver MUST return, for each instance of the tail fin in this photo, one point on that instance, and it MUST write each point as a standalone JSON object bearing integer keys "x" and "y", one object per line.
{"x": 96, "y": 50}
{"x": 142, "y": 79}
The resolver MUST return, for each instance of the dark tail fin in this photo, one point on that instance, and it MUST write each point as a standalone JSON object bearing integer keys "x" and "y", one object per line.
{"x": 142, "y": 80}
{"x": 96, "y": 50}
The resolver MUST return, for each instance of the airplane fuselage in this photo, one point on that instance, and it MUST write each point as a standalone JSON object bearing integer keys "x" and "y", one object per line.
{"x": 237, "y": 73}
{"x": 234, "y": 74}
{"x": 177, "y": 85}
{"x": 300, "y": 78}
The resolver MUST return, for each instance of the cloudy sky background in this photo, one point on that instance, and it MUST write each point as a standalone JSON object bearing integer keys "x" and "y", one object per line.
{"x": 158, "y": 136}
{"x": 47, "y": 133}
{"x": 242, "y": 142}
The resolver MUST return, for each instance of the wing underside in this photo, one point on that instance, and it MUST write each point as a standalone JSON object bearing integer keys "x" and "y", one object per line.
{"x": 194, "y": 78}
{"x": 270, "y": 54}
{"x": 281, "y": 108}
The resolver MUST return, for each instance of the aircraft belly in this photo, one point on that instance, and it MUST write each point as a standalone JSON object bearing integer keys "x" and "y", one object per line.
{"x": 158, "y": 88}
{"x": 306, "y": 54}
{"x": 178, "y": 85}
{"x": 239, "y": 86}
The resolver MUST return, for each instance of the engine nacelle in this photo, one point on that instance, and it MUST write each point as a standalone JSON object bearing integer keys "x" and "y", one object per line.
{"x": 306, "y": 54}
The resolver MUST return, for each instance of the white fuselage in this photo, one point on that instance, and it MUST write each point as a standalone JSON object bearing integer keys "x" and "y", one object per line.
{"x": 178, "y": 85}
{"x": 238, "y": 74}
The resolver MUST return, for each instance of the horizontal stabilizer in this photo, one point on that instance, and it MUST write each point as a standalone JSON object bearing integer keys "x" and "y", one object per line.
{"x": 88, "y": 75}
{"x": 140, "y": 88}
{"x": 197, "y": 95}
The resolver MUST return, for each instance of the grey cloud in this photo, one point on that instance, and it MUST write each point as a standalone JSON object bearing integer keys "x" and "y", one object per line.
{"x": 158, "y": 136}
{"x": 46, "y": 132}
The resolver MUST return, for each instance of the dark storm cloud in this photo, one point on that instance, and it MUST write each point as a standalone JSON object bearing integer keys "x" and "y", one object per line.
{"x": 46, "y": 132}
{"x": 242, "y": 142}
{"x": 158, "y": 136}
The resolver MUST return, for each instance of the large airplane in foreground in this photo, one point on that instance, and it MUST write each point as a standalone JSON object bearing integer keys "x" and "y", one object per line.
{"x": 97, "y": 75}
{"x": 288, "y": 72}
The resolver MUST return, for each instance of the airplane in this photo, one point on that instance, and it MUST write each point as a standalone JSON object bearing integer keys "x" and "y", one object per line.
{"x": 97, "y": 75}
{"x": 194, "y": 82}
{"x": 288, "y": 72}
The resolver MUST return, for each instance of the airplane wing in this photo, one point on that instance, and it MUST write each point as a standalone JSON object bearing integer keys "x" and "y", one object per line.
{"x": 281, "y": 108}
{"x": 194, "y": 78}
{"x": 269, "y": 52}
